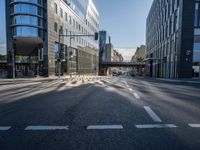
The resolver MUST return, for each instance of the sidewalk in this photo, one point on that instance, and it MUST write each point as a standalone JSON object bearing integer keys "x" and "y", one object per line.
{"x": 194, "y": 80}
{"x": 26, "y": 80}
{"x": 40, "y": 79}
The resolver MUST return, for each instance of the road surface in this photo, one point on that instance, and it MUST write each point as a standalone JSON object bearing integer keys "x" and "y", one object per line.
{"x": 100, "y": 113}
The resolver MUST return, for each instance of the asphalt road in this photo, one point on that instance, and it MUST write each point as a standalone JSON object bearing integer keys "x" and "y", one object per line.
{"x": 119, "y": 113}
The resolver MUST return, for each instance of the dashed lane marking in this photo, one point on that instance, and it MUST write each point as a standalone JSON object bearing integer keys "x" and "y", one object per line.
{"x": 136, "y": 95}
{"x": 130, "y": 89}
{"x": 104, "y": 127}
{"x": 194, "y": 125}
{"x": 150, "y": 126}
{"x": 47, "y": 128}
{"x": 4, "y": 128}
{"x": 152, "y": 114}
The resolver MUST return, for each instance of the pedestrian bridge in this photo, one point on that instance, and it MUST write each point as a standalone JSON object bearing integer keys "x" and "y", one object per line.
{"x": 123, "y": 64}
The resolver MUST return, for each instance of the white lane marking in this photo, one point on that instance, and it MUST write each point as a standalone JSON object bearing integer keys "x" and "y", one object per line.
{"x": 104, "y": 127}
{"x": 136, "y": 95}
{"x": 194, "y": 125}
{"x": 150, "y": 126}
{"x": 47, "y": 128}
{"x": 127, "y": 86}
{"x": 130, "y": 89}
{"x": 5, "y": 128}
{"x": 152, "y": 114}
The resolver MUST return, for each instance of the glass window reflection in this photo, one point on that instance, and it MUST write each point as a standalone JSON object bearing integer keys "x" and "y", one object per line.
{"x": 27, "y": 31}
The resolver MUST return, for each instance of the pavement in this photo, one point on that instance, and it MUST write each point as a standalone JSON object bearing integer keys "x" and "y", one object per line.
{"x": 194, "y": 80}
{"x": 100, "y": 113}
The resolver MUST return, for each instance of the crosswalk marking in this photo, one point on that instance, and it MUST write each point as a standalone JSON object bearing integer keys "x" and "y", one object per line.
{"x": 130, "y": 89}
{"x": 136, "y": 95}
{"x": 5, "y": 128}
{"x": 152, "y": 114}
{"x": 194, "y": 125}
{"x": 47, "y": 128}
{"x": 104, "y": 127}
{"x": 149, "y": 126}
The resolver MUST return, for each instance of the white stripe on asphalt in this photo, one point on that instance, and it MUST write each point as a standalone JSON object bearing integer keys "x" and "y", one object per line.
{"x": 152, "y": 114}
{"x": 127, "y": 86}
{"x": 130, "y": 89}
{"x": 47, "y": 128}
{"x": 194, "y": 125}
{"x": 136, "y": 95}
{"x": 104, "y": 127}
{"x": 150, "y": 126}
{"x": 5, "y": 128}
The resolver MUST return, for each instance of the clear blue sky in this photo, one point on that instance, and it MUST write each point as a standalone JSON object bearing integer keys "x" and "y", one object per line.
{"x": 125, "y": 20}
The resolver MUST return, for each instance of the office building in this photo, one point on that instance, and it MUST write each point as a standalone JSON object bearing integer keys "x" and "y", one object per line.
{"x": 138, "y": 58}
{"x": 173, "y": 39}
{"x": 32, "y": 45}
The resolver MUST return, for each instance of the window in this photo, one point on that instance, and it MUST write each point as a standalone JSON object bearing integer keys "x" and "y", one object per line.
{"x": 70, "y": 19}
{"x": 66, "y": 17}
{"x": 66, "y": 31}
{"x": 55, "y": 8}
{"x": 197, "y": 46}
{"x": 61, "y": 13}
{"x": 56, "y": 50}
{"x": 61, "y": 29}
{"x": 197, "y": 31}
{"x": 73, "y": 23}
{"x": 196, "y": 19}
{"x": 55, "y": 27}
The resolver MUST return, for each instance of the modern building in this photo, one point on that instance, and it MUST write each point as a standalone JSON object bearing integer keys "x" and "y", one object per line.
{"x": 138, "y": 58}
{"x": 173, "y": 39}
{"x": 32, "y": 45}
{"x": 139, "y": 55}
{"x": 104, "y": 39}
{"x": 107, "y": 53}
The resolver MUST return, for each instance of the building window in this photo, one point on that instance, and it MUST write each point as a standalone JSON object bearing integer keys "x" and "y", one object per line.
{"x": 55, "y": 27}
{"x": 66, "y": 31}
{"x": 70, "y": 19}
{"x": 196, "y": 19}
{"x": 196, "y": 31}
{"x": 56, "y": 50}
{"x": 73, "y": 23}
{"x": 61, "y": 29}
{"x": 66, "y": 17}
{"x": 61, "y": 13}
{"x": 55, "y": 8}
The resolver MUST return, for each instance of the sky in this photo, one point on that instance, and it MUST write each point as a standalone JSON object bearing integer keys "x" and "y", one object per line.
{"x": 125, "y": 21}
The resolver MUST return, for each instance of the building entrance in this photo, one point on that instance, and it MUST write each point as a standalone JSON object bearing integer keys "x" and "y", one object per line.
{"x": 26, "y": 70}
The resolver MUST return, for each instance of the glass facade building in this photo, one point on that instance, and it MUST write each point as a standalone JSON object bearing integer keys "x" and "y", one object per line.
{"x": 29, "y": 41}
{"x": 172, "y": 39}
{"x": 80, "y": 7}
{"x": 3, "y": 43}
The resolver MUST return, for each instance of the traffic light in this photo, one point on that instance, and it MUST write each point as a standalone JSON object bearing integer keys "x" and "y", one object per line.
{"x": 96, "y": 36}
